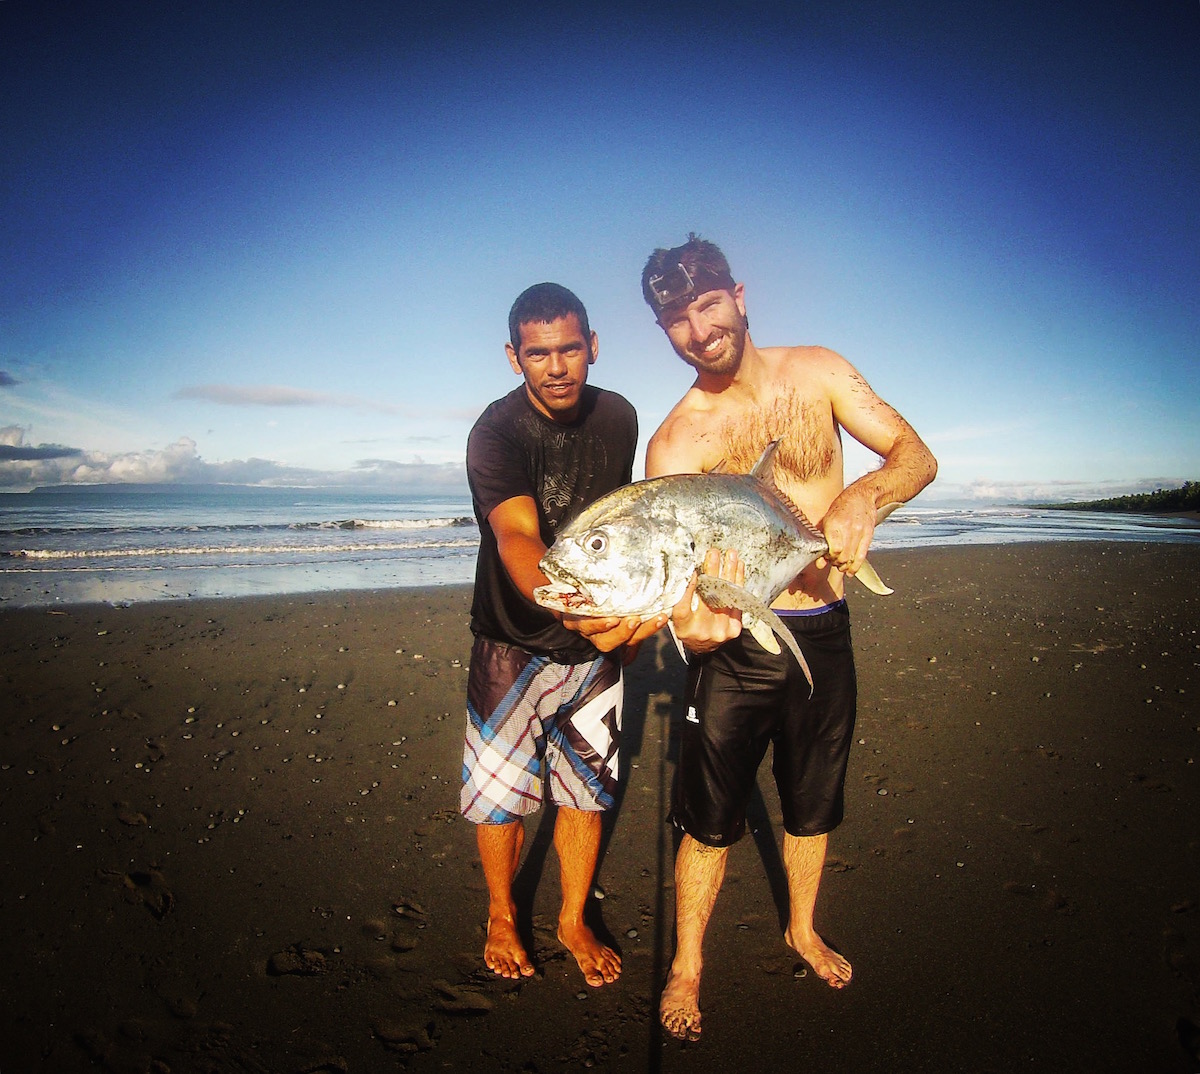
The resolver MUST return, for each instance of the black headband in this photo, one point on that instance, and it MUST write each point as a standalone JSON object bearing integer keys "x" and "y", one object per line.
{"x": 675, "y": 285}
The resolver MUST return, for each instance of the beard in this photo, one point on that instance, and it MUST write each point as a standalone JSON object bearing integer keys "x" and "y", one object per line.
{"x": 725, "y": 359}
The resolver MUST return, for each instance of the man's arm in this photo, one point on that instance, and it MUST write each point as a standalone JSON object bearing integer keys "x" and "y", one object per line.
{"x": 908, "y": 465}
{"x": 519, "y": 541}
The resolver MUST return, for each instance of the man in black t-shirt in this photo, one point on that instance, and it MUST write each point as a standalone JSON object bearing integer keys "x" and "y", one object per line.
{"x": 544, "y": 692}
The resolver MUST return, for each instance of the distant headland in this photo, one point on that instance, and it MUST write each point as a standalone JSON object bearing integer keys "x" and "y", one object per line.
{"x": 1184, "y": 499}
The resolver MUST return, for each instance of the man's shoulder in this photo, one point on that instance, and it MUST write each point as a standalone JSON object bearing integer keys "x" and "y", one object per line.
{"x": 815, "y": 372}
{"x": 609, "y": 401}
{"x": 689, "y": 414}
{"x": 610, "y": 417}
{"x": 683, "y": 442}
{"x": 498, "y": 408}
{"x": 495, "y": 434}
{"x": 801, "y": 359}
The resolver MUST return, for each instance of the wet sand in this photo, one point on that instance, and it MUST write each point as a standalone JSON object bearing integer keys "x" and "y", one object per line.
{"x": 230, "y": 841}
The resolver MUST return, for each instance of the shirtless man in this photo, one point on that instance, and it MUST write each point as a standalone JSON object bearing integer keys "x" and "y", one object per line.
{"x": 744, "y": 397}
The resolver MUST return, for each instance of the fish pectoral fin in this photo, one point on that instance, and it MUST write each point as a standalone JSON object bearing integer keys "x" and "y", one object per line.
{"x": 870, "y": 578}
{"x": 762, "y": 633}
{"x": 717, "y": 593}
{"x": 778, "y": 626}
{"x": 721, "y": 595}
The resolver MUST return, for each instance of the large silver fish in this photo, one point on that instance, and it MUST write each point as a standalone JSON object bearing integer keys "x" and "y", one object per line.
{"x": 634, "y": 551}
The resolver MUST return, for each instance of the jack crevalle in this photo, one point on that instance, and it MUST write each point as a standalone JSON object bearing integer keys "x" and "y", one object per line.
{"x": 634, "y": 550}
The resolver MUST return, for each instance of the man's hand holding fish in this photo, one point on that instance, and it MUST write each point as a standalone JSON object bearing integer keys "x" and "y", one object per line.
{"x": 698, "y": 627}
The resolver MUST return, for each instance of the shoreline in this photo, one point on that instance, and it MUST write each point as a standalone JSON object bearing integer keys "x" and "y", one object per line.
{"x": 172, "y": 571}
{"x": 230, "y": 839}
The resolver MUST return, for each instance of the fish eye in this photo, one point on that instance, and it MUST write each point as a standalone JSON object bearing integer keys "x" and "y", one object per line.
{"x": 596, "y": 542}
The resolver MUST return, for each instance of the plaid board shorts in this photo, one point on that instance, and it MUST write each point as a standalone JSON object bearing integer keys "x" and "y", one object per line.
{"x": 524, "y": 712}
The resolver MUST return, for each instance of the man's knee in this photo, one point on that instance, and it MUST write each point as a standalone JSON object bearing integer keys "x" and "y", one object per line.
{"x": 716, "y": 836}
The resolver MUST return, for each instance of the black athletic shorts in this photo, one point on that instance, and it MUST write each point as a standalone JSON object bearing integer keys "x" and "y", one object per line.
{"x": 740, "y": 698}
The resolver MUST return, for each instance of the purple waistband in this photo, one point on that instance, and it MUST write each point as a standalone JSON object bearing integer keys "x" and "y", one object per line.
{"x": 785, "y": 613}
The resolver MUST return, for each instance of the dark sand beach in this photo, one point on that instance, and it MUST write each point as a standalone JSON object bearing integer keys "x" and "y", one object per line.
{"x": 230, "y": 841}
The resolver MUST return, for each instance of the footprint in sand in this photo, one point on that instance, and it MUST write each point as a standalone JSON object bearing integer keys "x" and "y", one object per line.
{"x": 148, "y": 888}
{"x": 1048, "y": 899}
{"x": 453, "y": 999}
{"x": 297, "y": 961}
{"x": 403, "y": 937}
{"x": 129, "y": 816}
{"x": 401, "y": 945}
{"x": 1180, "y": 956}
{"x": 404, "y": 1038}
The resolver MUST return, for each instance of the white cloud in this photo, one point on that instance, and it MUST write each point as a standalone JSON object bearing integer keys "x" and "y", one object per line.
{"x": 1002, "y": 492}
{"x": 277, "y": 395}
{"x": 179, "y": 463}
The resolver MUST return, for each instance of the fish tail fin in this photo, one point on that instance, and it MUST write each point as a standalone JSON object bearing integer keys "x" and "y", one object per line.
{"x": 870, "y": 578}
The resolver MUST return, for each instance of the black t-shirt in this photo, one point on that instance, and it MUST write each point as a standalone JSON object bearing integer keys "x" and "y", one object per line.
{"x": 514, "y": 450}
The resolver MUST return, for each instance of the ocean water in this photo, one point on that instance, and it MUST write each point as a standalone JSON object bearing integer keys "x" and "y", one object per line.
{"x": 124, "y": 545}
{"x": 120, "y": 545}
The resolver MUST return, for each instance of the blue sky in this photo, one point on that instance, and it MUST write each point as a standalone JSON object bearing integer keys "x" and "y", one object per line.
{"x": 278, "y": 242}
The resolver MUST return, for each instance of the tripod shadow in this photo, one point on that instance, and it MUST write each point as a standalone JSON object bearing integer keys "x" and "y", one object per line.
{"x": 762, "y": 831}
{"x": 529, "y": 876}
{"x": 656, "y": 672}
{"x": 537, "y": 849}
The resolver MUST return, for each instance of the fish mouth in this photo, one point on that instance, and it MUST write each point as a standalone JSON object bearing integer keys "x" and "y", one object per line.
{"x": 562, "y": 592}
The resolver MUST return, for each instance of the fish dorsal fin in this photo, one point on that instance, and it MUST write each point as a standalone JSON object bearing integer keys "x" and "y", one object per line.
{"x": 766, "y": 463}
{"x": 764, "y": 471}
{"x": 800, "y": 517}
{"x": 761, "y": 469}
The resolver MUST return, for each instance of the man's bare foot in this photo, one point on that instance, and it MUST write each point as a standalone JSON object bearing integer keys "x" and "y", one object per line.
{"x": 504, "y": 953}
{"x": 825, "y": 961}
{"x": 600, "y": 964}
{"x": 679, "y": 1007}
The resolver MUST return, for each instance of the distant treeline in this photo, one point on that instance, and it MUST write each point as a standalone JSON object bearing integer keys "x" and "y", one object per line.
{"x": 1186, "y": 498}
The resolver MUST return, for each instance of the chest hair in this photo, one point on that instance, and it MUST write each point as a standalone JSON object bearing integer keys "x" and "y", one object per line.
{"x": 806, "y": 450}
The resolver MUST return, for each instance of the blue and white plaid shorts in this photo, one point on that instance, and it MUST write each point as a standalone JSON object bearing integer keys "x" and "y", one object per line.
{"x": 526, "y": 713}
